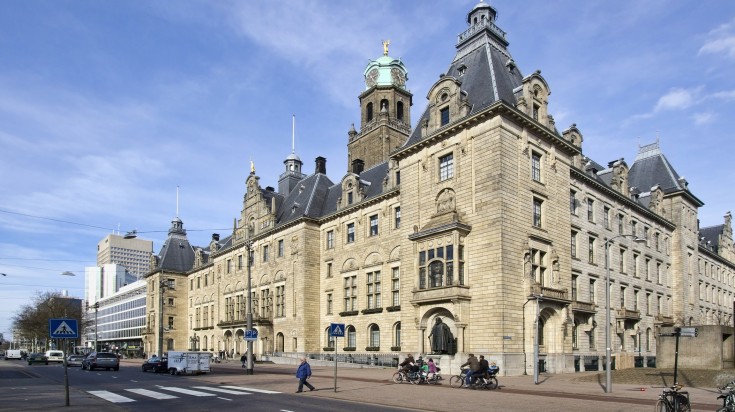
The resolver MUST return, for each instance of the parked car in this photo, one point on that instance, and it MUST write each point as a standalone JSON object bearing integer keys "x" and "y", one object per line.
{"x": 55, "y": 356}
{"x": 13, "y": 354}
{"x": 74, "y": 360}
{"x": 99, "y": 360}
{"x": 37, "y": 358}
{"x": 156, "y": 364}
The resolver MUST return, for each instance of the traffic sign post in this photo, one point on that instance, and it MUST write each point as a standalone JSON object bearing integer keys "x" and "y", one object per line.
{"x": 64, "y": 329}
{"x": 336, "y": 330}
{"x": 251, "y": 335}
{"x": 677, "y": 333}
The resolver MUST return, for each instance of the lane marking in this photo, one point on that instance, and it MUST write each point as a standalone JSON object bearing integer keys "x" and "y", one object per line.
{"x": 185, "y": 391}
{"x": 231, "y": 392}
{"x": 240, "y": 388}
{"x": 224, "y": 399}
{"x": 111, "y": 397}
{"x": 152, "y": 394}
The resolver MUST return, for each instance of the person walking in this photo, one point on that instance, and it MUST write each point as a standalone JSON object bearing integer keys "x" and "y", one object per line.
{"x": 303, "y": 373}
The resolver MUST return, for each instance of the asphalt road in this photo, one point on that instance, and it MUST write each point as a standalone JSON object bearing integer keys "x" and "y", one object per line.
{"x": 41, "y": 387}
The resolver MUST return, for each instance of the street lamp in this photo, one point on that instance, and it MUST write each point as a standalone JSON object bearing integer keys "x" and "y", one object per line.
{"x": 608, "y": 351}
{"x": 249, "y": 246}
{"x": 162, "y": 288}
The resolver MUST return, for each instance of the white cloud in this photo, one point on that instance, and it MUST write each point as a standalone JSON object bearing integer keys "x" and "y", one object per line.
{"x": 703, "y": 118}
{"x": 721, "y": 41}
{"x": 677, "y": 99}
{"x": 726, "y": 96}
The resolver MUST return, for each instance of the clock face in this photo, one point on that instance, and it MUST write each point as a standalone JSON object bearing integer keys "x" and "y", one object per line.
{"x": 398, "y": 77}
{"x": 371, "y": 78}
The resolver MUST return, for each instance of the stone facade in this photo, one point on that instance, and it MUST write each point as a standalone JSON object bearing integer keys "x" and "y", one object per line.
{"x": 481, "y": 215}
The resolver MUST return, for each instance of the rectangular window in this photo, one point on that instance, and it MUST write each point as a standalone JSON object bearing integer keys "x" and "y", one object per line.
{"x": 537, "y": 203}
{"x": 280, "y": 300}
{"x": 659, "y": 274}
{"x": 621, "y": 221}
{"x": 239, "y": 262}
{"x": 350, "y": 293}
{"x": 373, "y": 290}
{"x": 349, "y": 198}
{"x": 574, "y": 287}
{"x": 374, "y": 225}
{"x": 330, "y": 239}
{"x": 229, "y": 267}
{"x": 636, "y": 259}
{"x": 170, "y": 322}
{"x": 647, "y": 269}
{"x": 280, "y": 248}
{"x": 396, "y": 286}
{"x": 573, "y": 202}
{"x": 397, "y": 220}
{"x": 606, "y": 216}
{"x": 534, "y": 112}
{"x": 648, "y": 303}
{"x": 592, "y": 291}
{"x": 199, "y": 282}
{"x": 591, "y": 210}
{"x": 536, "y": 166}
{"x": 265, "y": 253}
{"x": 633, "y": 228}
{"x": 622, "y": 297}
{"x": 622, "y": 260}
{"x": 538, "y": 266}
{"x": 446, "y": 167}
{"x": 635, "y": 299}
{"x": 350, "y": 232}
{"x": 329, "y": 269}
{"x": 574, "y": 244}
{"x": 591, "y": 250}
{"x": 444, "y": 114}
{"x": 329, "y": 303}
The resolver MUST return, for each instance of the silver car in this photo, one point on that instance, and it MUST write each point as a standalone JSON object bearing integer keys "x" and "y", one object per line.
{"x": 100, "y": 360}
{"x": 74, "y": 360}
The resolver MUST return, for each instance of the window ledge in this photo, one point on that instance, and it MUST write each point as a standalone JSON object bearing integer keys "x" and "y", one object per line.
{"x": 393, "y": 308}
{"x": 349, "y": 313}
{"x": 371, "y": 311}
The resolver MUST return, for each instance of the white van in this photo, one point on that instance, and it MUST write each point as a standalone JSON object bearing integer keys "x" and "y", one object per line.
{"x": 12, "y": 354}
{"x": 55, "y": 355}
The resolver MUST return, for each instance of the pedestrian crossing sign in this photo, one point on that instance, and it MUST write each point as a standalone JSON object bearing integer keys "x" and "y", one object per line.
{"x": 337, "y": 329}
{"x": 63, "y": 328}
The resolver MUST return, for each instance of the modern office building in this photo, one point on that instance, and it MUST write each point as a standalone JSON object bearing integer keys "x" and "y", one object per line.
{"x": 133, "y": 254}
{"x": 119, "y": 320}
{"x": 105, "y": 280}
{"x": 484, "y": 214}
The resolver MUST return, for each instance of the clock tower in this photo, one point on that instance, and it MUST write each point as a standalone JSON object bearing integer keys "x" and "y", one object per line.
{"x": 385, "y": 106}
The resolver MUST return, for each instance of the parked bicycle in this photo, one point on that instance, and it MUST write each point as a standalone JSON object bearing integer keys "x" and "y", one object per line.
{"x": 727, "y": 394}
{"x": 673, "y": 400}
{"x": 487, "y": 381}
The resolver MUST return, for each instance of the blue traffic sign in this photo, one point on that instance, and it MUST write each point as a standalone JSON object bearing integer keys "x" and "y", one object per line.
{"x": 337, "y": 329}
{"x": 251, "y": 334}
{"x": 63, "y": 328}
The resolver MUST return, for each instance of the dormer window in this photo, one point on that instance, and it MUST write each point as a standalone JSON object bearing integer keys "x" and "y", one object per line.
{"x": 444, "y": 114}
{"x": 534, "y": 114}
{"x": 461, "y": 70}
{"x": 349, "y": 198}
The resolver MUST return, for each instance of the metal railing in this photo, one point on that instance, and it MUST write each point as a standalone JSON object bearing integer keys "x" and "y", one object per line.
{"x": 358, "y": 358}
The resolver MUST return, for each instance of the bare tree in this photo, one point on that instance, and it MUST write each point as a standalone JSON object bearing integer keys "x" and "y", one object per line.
{"x": 32, "y": 320}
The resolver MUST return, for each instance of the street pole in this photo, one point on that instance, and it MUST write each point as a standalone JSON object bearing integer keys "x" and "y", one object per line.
{"x": 249, "y": 368}
{"x": 535, "y": 341}
{"x": 608, "y": 351}
{"x": 96, "y": 308}
{"x": 161, "y": 288}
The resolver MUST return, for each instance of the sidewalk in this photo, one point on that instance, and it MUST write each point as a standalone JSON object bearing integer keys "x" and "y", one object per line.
{"x": 561, "y": 392}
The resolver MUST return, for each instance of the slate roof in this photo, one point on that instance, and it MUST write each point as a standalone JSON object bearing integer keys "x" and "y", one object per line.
{"x": 709, "y": 237}
{"x": 306, "y": 199}
{"x": 489, "y": 75}
{"x": 176, "y": 254}
{"x": 651, "y": 168}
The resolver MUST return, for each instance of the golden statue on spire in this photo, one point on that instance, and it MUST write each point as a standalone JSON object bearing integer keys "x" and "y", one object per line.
{"x": 386, "y": 43}
{"x": 252, "y": 166}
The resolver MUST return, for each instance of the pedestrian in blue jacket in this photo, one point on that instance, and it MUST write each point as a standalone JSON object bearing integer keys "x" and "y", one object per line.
{"x": 304, "y": 373}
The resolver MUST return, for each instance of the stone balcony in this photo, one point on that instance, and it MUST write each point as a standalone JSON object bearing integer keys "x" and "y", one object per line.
{"x": 664, "y": 320}
{"x": 440, "y": 294}
{"x": 629, "y": 314}
{"x": 586, "y": 307}
{"x": 559, "y": 295}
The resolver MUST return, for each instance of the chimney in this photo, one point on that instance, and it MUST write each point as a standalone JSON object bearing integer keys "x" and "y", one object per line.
{"x": 321, "y": 165}
{"x": 215, "y": 237}
{"x": 358, "y": 166}
{"x": 269, "y": 189}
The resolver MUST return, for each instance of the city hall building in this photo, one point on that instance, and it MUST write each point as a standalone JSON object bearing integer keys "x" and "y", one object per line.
{"x": 482, "y": 212}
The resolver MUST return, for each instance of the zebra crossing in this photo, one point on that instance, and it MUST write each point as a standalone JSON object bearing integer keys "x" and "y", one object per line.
{"x": 160, "y": 392}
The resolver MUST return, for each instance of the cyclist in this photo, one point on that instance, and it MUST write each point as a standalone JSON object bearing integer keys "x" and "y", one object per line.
{"x": 407, "y": 363}
{"x": 484, "y": 366}
{"x": 474, "y": 365}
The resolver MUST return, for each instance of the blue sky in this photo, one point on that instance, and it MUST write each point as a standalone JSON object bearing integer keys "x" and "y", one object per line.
{"x": 107, "y": 107}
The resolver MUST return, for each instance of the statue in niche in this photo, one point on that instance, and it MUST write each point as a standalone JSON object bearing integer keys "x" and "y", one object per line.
{"x": 554, "y": 268}
{"x": 442, "y": 337}
{"x": 445, "y": 202}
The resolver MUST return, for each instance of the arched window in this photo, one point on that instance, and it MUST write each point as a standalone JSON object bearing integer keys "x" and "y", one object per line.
{"x": 330, "y": 339}
{"x": 397, "y": 334}
{"x": 204, "y": 342}
{"x": 399, "y": 111}
{"x": 436, "y": 274}
{"x": 351, "y": 337}
{"x": 374, "y": 335}
{"x": 369, "y": 109}
{"x": 279, "y": 342}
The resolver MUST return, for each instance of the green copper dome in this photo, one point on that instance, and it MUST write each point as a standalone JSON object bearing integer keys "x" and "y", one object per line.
{"x": 385, "y": 71}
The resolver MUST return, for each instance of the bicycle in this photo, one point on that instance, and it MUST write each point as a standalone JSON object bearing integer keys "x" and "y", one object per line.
{"x": 728, "y": 399}
{"x": 673, "y": 400}
{"x": 457, "y": 381}
{"x": 413, "y": 377}
{"x": 488, "y": 381}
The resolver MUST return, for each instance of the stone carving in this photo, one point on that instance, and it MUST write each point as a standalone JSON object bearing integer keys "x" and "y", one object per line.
{"x": 442, "y": 337}
{"x": 554, "y": 268}
{"x": 552, "y": 158}
{"x": 445, "y": 202}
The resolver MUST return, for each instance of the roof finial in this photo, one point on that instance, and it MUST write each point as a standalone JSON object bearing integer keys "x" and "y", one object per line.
{"x": 386, "y": 43}
{"x": 177, "y": 202}
{"x": 293, "y": 134}
{"x": 252, "y": 167}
